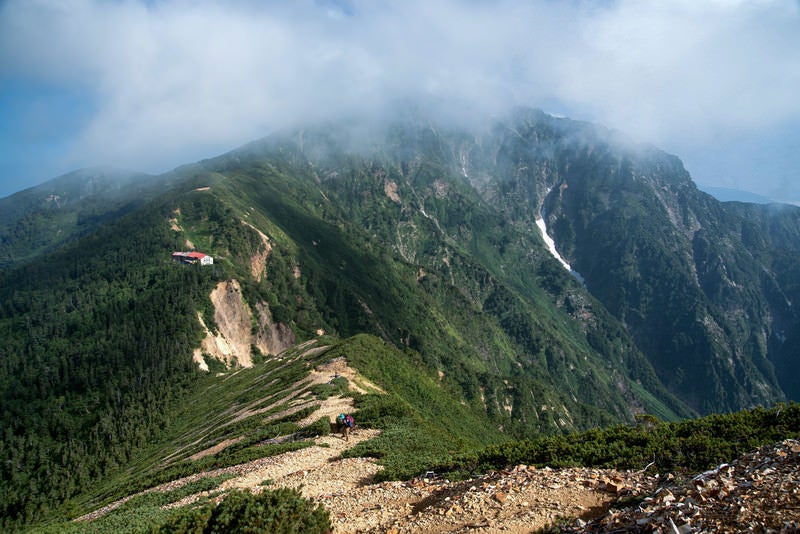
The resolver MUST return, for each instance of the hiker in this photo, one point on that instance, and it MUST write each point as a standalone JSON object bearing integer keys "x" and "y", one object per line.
{"x": 345, "y": 423}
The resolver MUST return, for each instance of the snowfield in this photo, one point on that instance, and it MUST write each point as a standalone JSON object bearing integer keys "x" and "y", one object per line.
{"x": 551, "y": 246}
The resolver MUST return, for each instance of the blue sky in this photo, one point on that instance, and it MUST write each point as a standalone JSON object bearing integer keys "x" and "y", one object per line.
{"x": 149, "y": 85}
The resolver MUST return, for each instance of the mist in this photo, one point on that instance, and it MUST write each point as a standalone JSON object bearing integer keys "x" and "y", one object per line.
{"x": 149, "y": 85}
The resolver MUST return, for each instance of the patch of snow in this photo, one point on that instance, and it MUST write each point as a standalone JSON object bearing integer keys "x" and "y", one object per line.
{"x": 551, "y": 246}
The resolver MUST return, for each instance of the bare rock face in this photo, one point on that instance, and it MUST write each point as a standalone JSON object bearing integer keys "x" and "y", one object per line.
{"x": 233, "y": 342}
{"x": 271, "y": 337}
{"x": 258, "y": 261}
{"x": 232, "y": 316}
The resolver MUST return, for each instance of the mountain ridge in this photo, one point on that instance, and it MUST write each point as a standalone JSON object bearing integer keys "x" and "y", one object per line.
{"x": 425, "y": 237}
{"x": 728, "y": 194}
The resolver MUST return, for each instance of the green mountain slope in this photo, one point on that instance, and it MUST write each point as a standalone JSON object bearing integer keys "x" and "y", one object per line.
{"x": 705, "y": 288}
{"x": 96, "y": 345}
{"x": 421, "y": 236}
{"x": 477, "y": 309}
{"x": 44, "y": 217}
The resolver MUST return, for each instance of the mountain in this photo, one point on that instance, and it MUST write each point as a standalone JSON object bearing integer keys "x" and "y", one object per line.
{"x": 425, "y": 236}
{"x": 727, "y": 194}
{"x": 41, "y": 218}
{"x": 706, "y": 289}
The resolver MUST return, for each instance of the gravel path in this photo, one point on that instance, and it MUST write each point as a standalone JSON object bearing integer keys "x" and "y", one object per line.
{"x": 316, "y": 469}
{"x": 758, "y": 492}
{"x": 518, "y": 500}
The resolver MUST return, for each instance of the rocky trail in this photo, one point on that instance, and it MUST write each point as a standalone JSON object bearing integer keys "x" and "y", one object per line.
{"x": 518, "y": 500}
{"x": 759, "y": 492}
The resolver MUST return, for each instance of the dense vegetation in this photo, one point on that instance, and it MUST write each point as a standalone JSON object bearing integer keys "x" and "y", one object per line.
{"x": 41, "y": 219}
{"x": 270, "y": 511}
{"x": 687, "y": 446}
{"x": 280, "y": 511}
{"x": 691, "y": 445}
{"x": 417, "y": 433}
{"x": 249, "y": 407}
{"x": 420, "y": 415}
{"x": 435, "y": 270}
{"x": 705, "y": 288}
{"x": 96, "y": 347}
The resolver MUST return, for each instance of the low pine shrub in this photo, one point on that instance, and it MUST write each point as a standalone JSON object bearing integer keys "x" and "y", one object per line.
{"x": 320, "y": 427}
{"x": 692, "y": 445}
{"x": 337, "y": 386}
{"x": 271, "y": 511}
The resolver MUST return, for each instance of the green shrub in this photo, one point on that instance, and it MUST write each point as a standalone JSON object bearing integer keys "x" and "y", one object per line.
{"x": 271, "y": 511}
{"x": 337, "y": 386}
{"x": 320, "y": 427}
{"x": 137, "y": 515}
{"x": 692, "y": 445}
{"x": 214, "y": 365}
{"x": 378, "y": 411}
{"x": 300, "y": 414}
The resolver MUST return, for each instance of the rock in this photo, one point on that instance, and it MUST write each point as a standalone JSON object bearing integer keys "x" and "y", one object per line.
{"x": 500, "y": 497}
{"x": 760, "y": 492}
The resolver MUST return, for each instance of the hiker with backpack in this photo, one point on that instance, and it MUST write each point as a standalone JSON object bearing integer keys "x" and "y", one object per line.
{"x": 345, "y": 423}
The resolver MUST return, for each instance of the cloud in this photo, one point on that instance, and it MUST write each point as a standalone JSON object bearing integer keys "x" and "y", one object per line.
{"x": 689, "y": 68}
{"x": 175, "y": 80}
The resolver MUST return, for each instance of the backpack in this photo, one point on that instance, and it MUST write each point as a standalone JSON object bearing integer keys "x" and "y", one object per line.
{"x": 349, "y": 421}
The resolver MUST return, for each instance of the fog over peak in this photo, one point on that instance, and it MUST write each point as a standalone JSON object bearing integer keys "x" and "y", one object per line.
{"x": 153, "y": 84}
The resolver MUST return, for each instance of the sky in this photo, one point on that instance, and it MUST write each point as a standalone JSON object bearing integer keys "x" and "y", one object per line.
{"x": 148, "y": 85}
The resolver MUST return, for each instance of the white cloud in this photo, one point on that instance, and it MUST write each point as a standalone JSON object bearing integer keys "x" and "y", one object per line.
{"x": 174, "y": 80}
{"x": 689, "y": 68}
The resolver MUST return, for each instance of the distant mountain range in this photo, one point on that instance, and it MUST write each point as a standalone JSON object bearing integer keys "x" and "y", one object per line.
{"x": 726, "y": 194}
{"x": 423, "y": 234}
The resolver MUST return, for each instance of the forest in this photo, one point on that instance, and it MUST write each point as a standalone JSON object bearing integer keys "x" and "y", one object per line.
{"x": 97, "y": 344}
